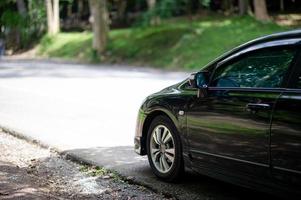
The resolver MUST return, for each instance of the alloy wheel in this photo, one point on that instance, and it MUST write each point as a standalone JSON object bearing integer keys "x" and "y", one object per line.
{"x": 162, "y": 148}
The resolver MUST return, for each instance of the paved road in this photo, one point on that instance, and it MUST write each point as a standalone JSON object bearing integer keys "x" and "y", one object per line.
{"x": 90, "y": 112}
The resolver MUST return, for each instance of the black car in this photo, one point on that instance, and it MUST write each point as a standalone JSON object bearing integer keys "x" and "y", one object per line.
{"x": 238, "y": 119}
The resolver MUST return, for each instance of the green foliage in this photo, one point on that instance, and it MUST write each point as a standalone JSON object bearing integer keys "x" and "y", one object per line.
{"x": 5, "y": 2}
{"x": 37, "y": 16}
{"x": 20, "y": 31}
{"x": 174, "y": 44}
{"x": 12, "y": 19}
{"x": 180, "y": 44}
{"x": 163, "y": 9}
{"x": 14, "y": 26}
{"x": 169, "y": 8}
{"x": 205, "y": 3}
{"x": 68, "y": 46}
{"x": 96, "y": 171}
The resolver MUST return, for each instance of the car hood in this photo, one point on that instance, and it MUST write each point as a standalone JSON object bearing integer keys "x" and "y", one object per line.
{"x": 173, "y": 89}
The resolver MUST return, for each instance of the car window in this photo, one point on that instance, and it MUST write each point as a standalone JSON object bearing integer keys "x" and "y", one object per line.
{"x": 263, "y": 68}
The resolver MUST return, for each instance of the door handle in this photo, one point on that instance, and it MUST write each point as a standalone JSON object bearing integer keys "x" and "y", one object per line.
{"x": 258, "y": 106}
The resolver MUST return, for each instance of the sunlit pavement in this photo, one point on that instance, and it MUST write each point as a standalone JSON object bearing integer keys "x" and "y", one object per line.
{"x": 72, "y": 106}
{"x": 90, "y": 112}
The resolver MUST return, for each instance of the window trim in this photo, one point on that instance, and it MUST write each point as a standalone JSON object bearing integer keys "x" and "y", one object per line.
{"x": 248, "y": 89}
{"x": 273, "y": 44}
{"x": 290, "y": 43}
{"x": 295, "y": 73}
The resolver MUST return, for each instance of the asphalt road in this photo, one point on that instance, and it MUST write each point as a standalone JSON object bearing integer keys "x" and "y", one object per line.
{"x": 90, "y": 113}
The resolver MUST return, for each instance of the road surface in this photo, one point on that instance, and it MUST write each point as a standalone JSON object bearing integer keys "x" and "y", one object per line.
{"x": 90, "y": 112}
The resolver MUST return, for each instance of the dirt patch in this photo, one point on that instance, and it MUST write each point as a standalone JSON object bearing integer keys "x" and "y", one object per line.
{"x": 28, "y": 171}
{"x": 293, "y": 20}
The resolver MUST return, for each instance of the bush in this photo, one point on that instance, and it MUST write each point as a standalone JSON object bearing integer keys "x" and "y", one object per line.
{"x": 21, "y": 31}
{"x": 171, "y": 8}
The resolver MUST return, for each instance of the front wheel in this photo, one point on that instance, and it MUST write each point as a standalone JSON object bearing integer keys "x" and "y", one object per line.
{"x": 164, "y": 149}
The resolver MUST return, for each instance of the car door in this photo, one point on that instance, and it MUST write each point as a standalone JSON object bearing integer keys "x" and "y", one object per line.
{"x": 286, "y": 134}
{"x": 229, "y": 129}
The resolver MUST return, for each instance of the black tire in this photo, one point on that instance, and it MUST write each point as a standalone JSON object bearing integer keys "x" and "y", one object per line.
{"x": 177, "y": 168}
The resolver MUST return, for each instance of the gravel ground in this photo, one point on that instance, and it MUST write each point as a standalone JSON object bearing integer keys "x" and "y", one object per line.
{"x": 28, "y": 171}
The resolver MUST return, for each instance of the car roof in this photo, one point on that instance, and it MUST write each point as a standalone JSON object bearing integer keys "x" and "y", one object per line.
{"x": 273, "y": 37}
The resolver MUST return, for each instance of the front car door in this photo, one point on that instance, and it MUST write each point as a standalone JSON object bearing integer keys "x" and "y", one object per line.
{"x": 286, "y": 134}
{"x": 229, "y": 130}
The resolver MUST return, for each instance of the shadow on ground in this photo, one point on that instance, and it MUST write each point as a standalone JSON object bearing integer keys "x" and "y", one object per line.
{"x": 124, "y": 161}
{"x": 29, "y": 183}
{"x": 27, "y": 68}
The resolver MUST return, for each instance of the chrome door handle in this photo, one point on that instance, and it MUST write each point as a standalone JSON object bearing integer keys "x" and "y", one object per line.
{"x": 258, "y": 106}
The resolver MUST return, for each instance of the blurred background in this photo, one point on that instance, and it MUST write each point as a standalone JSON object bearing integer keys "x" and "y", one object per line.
{"x": 173, "y": 34}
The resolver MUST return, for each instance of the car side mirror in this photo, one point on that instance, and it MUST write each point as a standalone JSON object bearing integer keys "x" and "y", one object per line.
{"x": 200, "y": 81}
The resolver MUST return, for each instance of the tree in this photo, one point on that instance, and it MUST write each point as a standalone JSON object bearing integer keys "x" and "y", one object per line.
{"x": 154, "y": 18}
{"x": 121, "y": 8}
{"x": 80, "y": 9}
{"x": 151, "y": 4}
{"x": 53, "y": 16}
{"x": 227, "y": 6}
{"x": 21, "y": 7}
{"x": 100, "y": 24}
{"x": 261, "y": 12}
{"x": 281, "y": 5}
{"x": 243, "y": 7}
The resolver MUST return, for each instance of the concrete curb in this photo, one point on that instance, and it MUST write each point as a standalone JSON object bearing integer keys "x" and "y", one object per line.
{"x": 27, "y": 138}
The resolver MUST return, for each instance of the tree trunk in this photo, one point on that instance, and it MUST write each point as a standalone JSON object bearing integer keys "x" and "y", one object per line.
{"x": 21, "y": 7}
{"x": 49, "y": 15}
{"x": 243, "y": 7}
{"x": 281, "y": 5}
{"x": 100, "y": 24}
{"x": 155, "y": 20}
{"x": 80, "y": 9}
{"x": 151, "y": 4}
{"x": 56, "y": 17}
{"x": 69, "y": 10}
{"x": 261, "y": 12}
{"x": 227, "y": 6}
{"x": 121, "y": 7}
{"x": 53, "y": 16}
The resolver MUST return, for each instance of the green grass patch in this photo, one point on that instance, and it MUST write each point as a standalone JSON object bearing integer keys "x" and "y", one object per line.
{"x": 175, "y": 44}
{"x": 99, "y": 172}
{"x": 68, "y": 46}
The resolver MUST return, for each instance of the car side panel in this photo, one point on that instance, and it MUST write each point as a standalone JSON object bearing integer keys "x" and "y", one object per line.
{"x": 229, "y": 140}
{"x": 286, "y": 141}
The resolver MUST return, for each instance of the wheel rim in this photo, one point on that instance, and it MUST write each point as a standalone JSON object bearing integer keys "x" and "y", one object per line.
{"x": 162, "y": 148}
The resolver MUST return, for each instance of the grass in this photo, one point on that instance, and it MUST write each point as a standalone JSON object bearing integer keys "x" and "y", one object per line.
{"x": 175, "y": 44}
{"x": 68, "y": 46}
{"x": 99, "y": 172}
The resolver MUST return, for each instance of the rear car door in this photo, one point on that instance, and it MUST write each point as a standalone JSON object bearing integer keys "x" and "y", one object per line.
{"x": 229, "y": 130}
{"x": 286, "y": 134}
